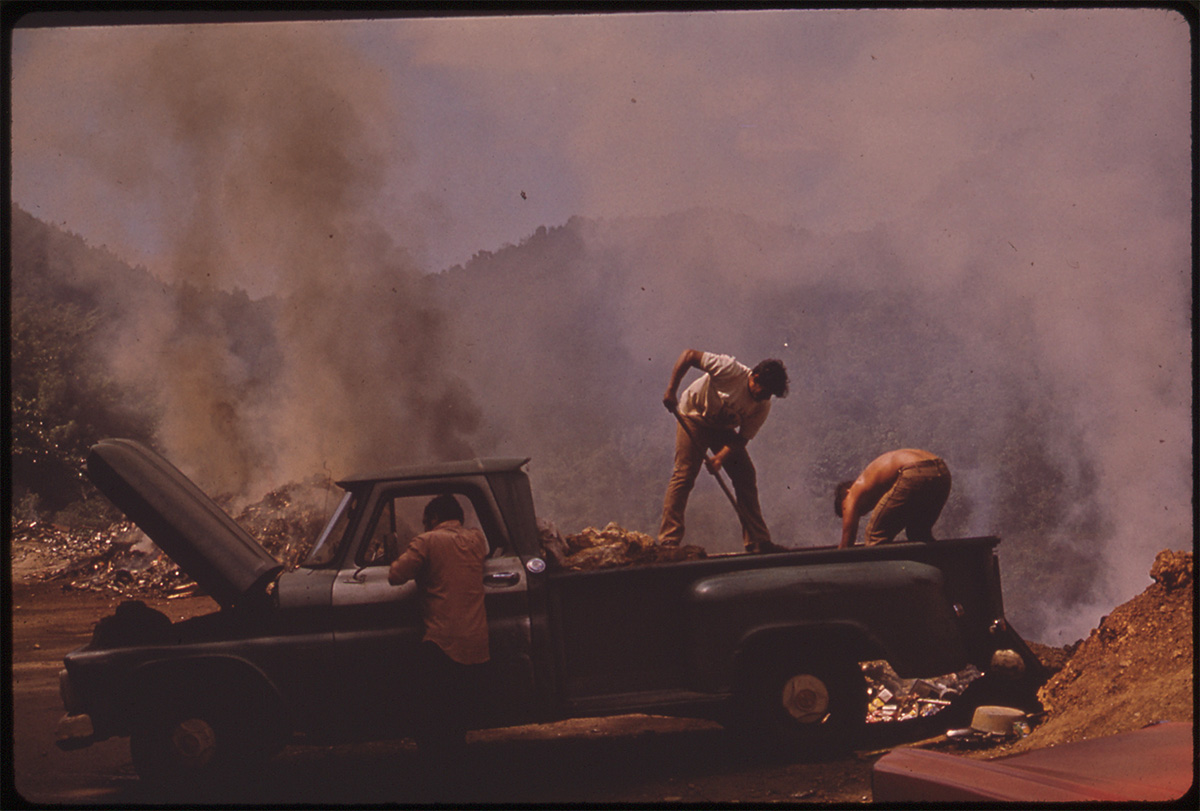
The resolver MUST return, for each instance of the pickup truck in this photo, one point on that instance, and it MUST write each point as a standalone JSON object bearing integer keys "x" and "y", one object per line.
{"x": 767, "y": 644}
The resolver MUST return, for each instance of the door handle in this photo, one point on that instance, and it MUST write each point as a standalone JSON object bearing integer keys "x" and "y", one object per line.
{"x": 502, "y": 578}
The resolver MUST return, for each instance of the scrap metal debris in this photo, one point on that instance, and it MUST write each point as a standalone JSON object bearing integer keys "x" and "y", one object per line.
{"x": 119, "y": 559}
{"x": 287, "y": 520}
{"x": 895, "y": 699}
{"x": 992, "y": 724}
{"x": 124, "y": 560}
{"x": 609, "y": 548}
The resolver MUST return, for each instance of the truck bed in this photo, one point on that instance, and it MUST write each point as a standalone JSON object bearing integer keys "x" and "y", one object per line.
{"x": 633, "y": 633}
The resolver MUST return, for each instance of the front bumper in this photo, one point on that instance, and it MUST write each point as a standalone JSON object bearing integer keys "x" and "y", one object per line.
{"x": 74, "y": 732}
{"x": 75, "y": 729}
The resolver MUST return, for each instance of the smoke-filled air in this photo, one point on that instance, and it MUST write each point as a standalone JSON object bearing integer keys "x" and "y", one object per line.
{"x": 304, "y": 248}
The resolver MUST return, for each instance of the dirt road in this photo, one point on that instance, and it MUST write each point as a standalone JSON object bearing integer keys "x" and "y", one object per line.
{"x": 628, "y": 759}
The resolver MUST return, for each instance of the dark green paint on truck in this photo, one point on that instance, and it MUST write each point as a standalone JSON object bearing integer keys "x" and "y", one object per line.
{"x": 769, "y": 644}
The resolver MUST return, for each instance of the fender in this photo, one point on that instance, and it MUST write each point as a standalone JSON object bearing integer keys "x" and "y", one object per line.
{"x": 156, "y": 679}
{"x": 847, "y": 640}
{"x": 901, "y": 601}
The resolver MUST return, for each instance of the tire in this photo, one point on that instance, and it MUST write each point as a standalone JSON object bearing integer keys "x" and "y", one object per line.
{"x": 808, "y": 707}
{"x": 191, "y": 740}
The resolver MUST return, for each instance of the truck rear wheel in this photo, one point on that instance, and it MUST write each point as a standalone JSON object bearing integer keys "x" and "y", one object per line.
{"x": 807, "y": 706}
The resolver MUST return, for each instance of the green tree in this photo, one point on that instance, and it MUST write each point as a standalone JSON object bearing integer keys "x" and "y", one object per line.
{"x": 62, "y": 402}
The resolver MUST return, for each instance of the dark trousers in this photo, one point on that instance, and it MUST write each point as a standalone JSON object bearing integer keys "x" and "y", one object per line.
{"x": 448, "y": 690}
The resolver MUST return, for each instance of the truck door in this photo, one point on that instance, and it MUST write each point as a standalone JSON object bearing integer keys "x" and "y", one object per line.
{"x": 378, "y": 627}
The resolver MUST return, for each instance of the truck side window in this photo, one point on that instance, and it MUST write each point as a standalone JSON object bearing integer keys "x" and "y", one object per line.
{"x": 397, "y": 521}
{"x": 328, "y": 544}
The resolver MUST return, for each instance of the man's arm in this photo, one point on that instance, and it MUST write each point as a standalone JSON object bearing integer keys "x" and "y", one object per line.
{"x": 688, "y": 359}
{"x": 864, "y": 495}
{"x": 850, "y": 514}
{"x": 740, "y": 439}
{"x": 735, "y": 441}
{"x": 408, "y": 565}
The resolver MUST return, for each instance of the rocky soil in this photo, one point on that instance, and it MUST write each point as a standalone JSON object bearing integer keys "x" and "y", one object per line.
{"x": 1136, "y": 668}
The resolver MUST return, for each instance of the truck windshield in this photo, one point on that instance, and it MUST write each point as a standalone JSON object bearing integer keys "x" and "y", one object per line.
{"x": 327, "y": 545}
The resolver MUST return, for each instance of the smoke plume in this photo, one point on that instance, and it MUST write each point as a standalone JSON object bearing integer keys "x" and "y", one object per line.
{"x": 267, "y": 175}
{"x": 963, "y": 232}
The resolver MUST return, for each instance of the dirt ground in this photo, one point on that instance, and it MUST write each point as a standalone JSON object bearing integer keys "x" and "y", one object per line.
{"x": 1135, "y": 668}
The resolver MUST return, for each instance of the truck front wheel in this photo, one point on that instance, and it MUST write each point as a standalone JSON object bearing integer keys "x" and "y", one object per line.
{"x": 807, "y": 707}
{"x": 196, "y": 740}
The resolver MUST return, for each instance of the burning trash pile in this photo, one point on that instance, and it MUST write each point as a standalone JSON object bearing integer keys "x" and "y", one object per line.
{"x": 609, "y": 548}
{"x": 895, "y": 699}
{"x": 287, "y": 520}
{"x": 122, "y": 559}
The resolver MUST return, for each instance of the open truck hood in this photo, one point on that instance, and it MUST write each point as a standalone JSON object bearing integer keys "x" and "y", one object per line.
{"x": 185, "y": 523}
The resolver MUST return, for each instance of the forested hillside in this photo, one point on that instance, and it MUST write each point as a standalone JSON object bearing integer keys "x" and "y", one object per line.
{"x": 86, "y": 331}
{"x": 559, "y": 349}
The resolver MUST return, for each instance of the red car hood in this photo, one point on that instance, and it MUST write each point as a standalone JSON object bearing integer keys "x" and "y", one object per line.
{"x": 1154, "y": 764}
{"x": 185, "y": 523}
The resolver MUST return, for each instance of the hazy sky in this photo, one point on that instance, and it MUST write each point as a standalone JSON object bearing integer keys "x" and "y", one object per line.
{"x": 1037, "y": 157}
{"x": 990, "y": 126}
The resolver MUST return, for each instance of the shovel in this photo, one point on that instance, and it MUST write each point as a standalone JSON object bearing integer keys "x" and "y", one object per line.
{"x": 716, "y": 473}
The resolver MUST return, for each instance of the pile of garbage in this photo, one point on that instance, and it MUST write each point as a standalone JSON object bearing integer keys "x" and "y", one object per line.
{"x": 122, "y": 559}
{"x": 287, "y": 520}
{"x": 895, "y": 699}
{"x": 609, "y": 548}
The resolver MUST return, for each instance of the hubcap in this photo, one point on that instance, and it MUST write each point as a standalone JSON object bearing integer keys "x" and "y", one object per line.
{"x": 806, "y": 698}
{"x": 194, "y": 741}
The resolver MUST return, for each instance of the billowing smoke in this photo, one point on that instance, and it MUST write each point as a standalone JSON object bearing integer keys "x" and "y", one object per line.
{"x": 883, "y": 352}
{"x": 990, "y": 260}
{"x": 268, "y": 176}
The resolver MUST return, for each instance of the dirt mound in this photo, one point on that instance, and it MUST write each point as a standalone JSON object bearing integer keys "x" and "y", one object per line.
{"x": 1136, "y": 668}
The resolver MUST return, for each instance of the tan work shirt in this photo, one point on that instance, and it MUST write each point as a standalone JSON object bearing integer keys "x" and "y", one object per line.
{"x": 721, "y": 397}
{"x": 447, "y": 563}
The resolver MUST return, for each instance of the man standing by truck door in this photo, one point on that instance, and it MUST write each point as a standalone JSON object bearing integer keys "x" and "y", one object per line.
{"x": 907, "y": 488}
{"x": 721, "y": 410}
{"x": 447, "y": 562}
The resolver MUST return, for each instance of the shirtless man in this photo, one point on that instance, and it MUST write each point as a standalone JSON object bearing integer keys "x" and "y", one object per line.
{"x": 906, "y": 488}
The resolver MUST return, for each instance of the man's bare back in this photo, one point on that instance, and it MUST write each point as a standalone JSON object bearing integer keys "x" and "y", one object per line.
{"x": 881, "y": 474}
{"x": 875, "y": 480}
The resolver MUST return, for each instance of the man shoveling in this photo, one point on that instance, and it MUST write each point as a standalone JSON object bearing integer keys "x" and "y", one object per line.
{"x": 721, "y": 410}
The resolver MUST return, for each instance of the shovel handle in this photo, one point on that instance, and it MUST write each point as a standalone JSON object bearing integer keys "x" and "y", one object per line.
{"x": 716, "y": 473}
